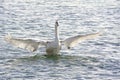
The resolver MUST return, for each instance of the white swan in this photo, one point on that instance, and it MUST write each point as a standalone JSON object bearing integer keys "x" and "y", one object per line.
{"x": 52, "y": 48}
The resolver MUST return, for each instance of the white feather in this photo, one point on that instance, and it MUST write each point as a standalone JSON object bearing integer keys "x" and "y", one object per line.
{"x": 53, "y": 47}
{"x": 30, "y": 45}
{"x": 72, "y": 41}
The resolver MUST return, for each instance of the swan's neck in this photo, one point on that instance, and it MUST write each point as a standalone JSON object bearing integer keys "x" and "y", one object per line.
{"x": 56, "y": 34}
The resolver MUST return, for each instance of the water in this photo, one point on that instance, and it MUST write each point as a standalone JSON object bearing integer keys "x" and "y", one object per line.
{"x": 97, "y": 59}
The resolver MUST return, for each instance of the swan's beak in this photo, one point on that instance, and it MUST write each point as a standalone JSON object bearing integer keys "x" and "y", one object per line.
{"x": 56, "y": 23}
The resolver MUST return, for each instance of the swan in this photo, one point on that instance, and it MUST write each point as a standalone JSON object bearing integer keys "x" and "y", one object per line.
{"x": 52, "y": 47}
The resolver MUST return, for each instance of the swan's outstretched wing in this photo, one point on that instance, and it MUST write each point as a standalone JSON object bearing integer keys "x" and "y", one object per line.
{"x": 72, "y": 41}
{"x": 28, "y": 44}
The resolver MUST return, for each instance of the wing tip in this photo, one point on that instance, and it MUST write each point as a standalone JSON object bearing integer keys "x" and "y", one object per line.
{"x": 8, "y": 37}
{"x": 99, "y": 33}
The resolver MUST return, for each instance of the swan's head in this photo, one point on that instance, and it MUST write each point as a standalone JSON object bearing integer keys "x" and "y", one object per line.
{"x": 56, "y": 23}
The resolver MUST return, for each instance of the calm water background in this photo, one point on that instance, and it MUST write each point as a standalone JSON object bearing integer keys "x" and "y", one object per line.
{"x": 97, "y": 59}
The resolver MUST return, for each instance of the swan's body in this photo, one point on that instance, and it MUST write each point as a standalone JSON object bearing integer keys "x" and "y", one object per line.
{"x": 53, "y": 47}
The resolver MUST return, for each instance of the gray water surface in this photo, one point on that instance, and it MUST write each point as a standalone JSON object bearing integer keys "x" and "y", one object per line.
{"x": 97, "y": 59}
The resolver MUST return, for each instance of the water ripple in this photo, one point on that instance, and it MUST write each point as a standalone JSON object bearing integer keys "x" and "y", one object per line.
{"x": 91, "y": 60}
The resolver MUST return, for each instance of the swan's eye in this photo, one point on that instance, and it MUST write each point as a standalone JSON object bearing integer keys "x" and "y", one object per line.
{"x": 69, "y": 47}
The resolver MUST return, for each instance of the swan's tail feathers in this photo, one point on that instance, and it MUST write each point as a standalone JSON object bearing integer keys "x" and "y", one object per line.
{"x": 8, "y": 37}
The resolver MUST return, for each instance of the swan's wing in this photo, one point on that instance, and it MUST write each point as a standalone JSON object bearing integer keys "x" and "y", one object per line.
{"x": 28, "y": 44}
{"x": 72, "y": 41}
